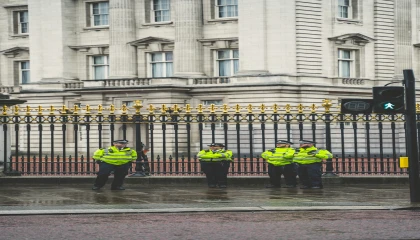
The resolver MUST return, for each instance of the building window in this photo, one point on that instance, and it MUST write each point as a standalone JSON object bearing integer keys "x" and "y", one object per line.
{"x": 348, "y": 9}
{"x": 217, "y": 103}
{"x": 128, "y": 103}
{"x": 100, "y": 67}
{"x": 24, "y": 72}
{"x": 227, "y": 8}
{"x": 345, "y": 63}
{"x": 20, "y": 22}
{"x": 161, "y": 64}
{"x": 23, "y": 25}
{"x": 99, "y": 12}
{"x": 227, "y": 62}
{"x": 161, "y": 10}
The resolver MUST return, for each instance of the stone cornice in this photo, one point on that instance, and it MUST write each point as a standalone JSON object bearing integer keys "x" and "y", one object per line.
{"x": 77, "y": 47}
{"x": 355, "y": 38}
{"x": 12, "y": 52}
{"x": 147, "y": 40}
{"x": 220, "y": 42}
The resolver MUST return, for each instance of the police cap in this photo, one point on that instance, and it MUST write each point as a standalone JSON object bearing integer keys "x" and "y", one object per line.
{"x": 216, "y": 145}
{"x": 121, "y": 141}
{"x": 284, "y": 142}
{"x": 306, "y": 142}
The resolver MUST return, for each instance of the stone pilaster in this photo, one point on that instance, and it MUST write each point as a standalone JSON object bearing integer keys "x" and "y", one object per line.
{"x": 188, "y": 54}
{"x": 252, "y": 47}
{"x": 122, "y": 29}
{"x": 51, "y": 31}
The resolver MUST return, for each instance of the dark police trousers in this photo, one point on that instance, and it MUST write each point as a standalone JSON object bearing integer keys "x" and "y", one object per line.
{"x": 288, "y": 171}
{"x": 310, "y": 174}
{"x": 105, "y": 170}
{"x": 216, "y": 172}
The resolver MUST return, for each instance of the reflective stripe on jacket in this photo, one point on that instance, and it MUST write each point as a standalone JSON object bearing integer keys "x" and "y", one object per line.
{"x": 115, "y": 156}
{"x": 279, "y": 156}
{"x": 217, "y": 156}
{"x": 311, "y": 155}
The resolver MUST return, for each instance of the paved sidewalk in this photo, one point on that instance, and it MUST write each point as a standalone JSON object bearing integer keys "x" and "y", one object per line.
{"x": 147, "y": 198}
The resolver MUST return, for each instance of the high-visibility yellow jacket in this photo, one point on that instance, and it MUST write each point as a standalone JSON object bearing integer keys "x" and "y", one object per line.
{"x": 279, "y": 156}
{"x": 216, "y": 156}
{"x": 311, "y": 155}
{"x": 115, "y": 156}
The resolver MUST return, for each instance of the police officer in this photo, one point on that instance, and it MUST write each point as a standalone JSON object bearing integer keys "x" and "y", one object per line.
{"x": 215, "y": 163}
{"x": 280, "y": 162}
{"x": 117, "y": 159}
{"x": 142, "y": 168}
{"x": 309, "y": 158}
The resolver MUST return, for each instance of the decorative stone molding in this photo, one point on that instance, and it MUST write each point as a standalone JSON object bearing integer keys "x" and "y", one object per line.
{"x": 353, "y": 81}
{"x": 154, "y": 44}
{"x": 353, "y": 38}
{"x": 15, "y": 51}
{"x": 218, "y": 43}
{"x": 92, "y": 49}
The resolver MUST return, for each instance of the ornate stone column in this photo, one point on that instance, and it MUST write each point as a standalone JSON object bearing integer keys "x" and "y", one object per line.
{"x": 188, "y": 54}
{"x": 122, "y": 29}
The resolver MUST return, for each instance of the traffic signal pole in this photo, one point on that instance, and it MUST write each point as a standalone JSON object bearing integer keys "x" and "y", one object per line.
{"x": 411, "y": 135}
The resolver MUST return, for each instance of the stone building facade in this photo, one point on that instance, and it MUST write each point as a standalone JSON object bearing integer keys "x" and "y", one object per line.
{"x": 65, "y": 52}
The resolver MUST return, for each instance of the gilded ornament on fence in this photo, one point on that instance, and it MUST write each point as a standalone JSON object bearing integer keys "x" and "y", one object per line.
{"x": 262, "y": 108}
{"x": 288, "y": 108}
{"x": 327, "y": 105}
{"x": 275, "y": 108}
{"x": 200, "y": 108}
{"x": 249, "y": 108}
{"x": 225, "y": 108}
{"x": 313, "y": 108}
{"x": 300, "y": 108}
{"x": 137, "y": 106}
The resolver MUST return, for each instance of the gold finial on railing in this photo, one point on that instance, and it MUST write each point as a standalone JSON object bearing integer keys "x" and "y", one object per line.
{"x": 40, "y": 109}
{"x": 28, "y": 110}
{"x": 249, "y": 107}
{"x": 175, "y": 108}
{"x": 5, "y": 108}
{"x": 124, "y": 109}
{"x": 327, "y": 105}
{"x": 64, "y": 109}
{"x": 212, "y": 108}
{"x": 151, "y": 108}
{"x": 100, "y": 109}
{"x": 237, "y": 108}
{"x": 87, "y": 109}
{"x": 137, "y": 106}
{"x": 288, "y": 108}
{"x": 313, "y": 108}
{"x": 225, "y": 108}
{"x": 188, "y": 108}
{"x": 16, "y": 110}
{"x": 275, "y": 108}
{"x": 262, "y": 108}
{"x": 164, "y": 108}
{"x": 200, "y": 108}
{"x": 76, "y": 109}
{"x": 52, "y": 109}
{"x": 112, "y": 109}
{"x": 417, "y": 107}
{"x": 300, "y": 108}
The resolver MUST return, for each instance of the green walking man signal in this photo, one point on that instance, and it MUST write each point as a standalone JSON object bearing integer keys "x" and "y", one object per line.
{"x": 388, "y": 100}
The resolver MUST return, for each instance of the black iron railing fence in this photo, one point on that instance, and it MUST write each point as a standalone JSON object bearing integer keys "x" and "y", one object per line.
{"x": 60, "y": 141}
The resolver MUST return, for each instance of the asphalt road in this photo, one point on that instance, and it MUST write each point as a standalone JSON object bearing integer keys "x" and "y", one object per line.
{"x": 385, "y": 224}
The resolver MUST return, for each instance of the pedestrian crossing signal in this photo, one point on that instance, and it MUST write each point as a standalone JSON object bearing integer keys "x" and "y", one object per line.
{"x": 388, "y": 100}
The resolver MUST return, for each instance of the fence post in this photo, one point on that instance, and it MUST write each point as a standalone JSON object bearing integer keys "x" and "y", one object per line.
{"x": 329, "y": 167}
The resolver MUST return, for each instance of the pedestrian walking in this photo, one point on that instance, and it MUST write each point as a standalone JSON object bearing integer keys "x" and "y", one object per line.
{"x": 309, "y": 159}
{"x": 215, "y": 163}
{"x": 117, "y": 159}
{"x": 280, "y": 162}
{"x": 142, "y": 163}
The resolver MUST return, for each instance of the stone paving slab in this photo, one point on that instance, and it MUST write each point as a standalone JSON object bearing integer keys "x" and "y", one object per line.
{"x": 52, "y": 199}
